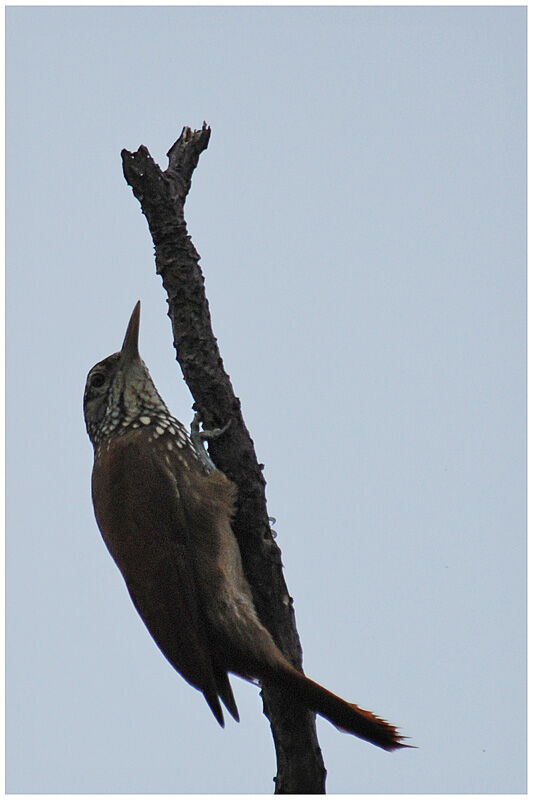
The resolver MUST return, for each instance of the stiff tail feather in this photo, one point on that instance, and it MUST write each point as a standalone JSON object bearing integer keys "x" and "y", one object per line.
{"x": 346, "y": 716}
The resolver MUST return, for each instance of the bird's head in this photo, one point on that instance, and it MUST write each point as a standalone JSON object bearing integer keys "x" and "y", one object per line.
{"x": 119, "y": 389}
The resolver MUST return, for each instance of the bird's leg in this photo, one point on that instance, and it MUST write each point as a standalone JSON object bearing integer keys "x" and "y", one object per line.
{"x": 198, "y": 438}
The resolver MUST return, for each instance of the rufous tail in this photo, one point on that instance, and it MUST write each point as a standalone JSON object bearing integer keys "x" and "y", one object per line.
{"x": 346, "y": 716}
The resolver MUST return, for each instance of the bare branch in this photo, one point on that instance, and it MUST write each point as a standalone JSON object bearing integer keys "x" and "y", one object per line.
{"x": 162, "y": 197}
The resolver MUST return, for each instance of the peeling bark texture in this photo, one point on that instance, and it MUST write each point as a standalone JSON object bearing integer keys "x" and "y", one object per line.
{"x": 162, "y": 194}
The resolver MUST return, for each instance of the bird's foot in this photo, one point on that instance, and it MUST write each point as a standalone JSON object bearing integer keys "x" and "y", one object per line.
{"x": 198, "y": 438}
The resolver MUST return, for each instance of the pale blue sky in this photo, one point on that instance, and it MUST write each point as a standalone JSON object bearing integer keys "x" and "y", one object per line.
{"x": 360, "y": 214}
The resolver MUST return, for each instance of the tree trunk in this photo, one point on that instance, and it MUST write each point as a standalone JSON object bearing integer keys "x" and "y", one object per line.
{"x": 162, "y": 194}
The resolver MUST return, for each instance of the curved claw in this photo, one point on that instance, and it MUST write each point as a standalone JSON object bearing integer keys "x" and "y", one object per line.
{"x": 198, "y": 438}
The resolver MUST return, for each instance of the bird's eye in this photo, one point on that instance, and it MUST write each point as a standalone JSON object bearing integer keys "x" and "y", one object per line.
{"x": 97, "y": 380}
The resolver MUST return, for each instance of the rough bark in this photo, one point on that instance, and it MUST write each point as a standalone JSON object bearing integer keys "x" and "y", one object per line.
{"x": 162, "y": 194}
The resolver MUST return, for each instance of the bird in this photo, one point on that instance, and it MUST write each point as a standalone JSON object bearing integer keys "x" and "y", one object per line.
{"x": 165, "y": 514}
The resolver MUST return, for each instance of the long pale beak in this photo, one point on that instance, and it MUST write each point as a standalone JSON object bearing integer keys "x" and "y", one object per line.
{"x": 130, "y": 346}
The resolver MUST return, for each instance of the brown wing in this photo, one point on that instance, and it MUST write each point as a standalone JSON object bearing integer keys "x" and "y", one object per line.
{"x": 139, "y": 513}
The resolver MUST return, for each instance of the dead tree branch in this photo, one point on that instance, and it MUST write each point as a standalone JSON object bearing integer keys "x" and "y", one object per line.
{"x": 162, "y": 194}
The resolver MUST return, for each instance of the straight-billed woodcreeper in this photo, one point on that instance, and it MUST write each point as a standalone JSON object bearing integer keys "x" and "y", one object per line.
{"x": 165, "y": 515}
